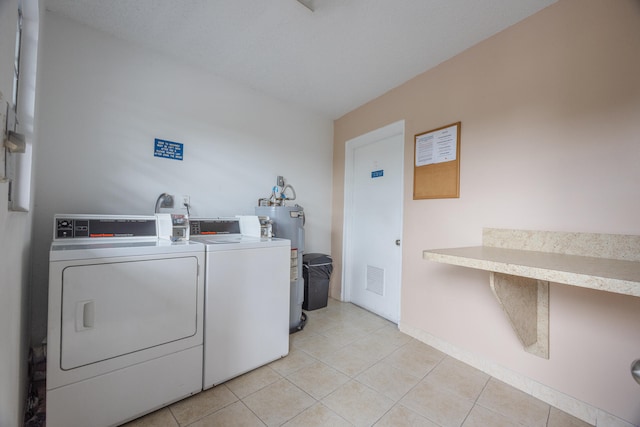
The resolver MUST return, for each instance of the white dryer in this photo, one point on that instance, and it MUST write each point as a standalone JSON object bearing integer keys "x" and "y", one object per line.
{"x": 125, "y": 322}
{"x": 246, "y": 298}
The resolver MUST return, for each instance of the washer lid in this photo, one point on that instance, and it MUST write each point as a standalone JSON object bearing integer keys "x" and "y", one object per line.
{"x": 223, "y": 242}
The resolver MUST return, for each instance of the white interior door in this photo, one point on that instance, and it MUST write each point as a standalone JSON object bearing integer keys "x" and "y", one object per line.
{"x": 372, "y": 261}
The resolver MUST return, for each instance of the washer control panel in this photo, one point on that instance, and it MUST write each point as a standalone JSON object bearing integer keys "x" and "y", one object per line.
{"x": 200, "y": 227}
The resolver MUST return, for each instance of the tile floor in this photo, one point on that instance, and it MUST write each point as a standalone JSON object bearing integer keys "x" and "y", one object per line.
{"x": 349, "y": 367}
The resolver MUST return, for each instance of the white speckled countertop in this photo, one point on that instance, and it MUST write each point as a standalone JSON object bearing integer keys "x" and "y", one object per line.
{"x": 608, "y": 262}
{"x": 612, "y": 275}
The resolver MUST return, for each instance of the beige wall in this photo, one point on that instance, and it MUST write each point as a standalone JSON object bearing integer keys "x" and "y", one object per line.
{"x": 550, "y": 112}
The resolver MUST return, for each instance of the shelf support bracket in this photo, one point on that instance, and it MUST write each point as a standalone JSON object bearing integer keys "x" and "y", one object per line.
{"x": 525, "y": 301}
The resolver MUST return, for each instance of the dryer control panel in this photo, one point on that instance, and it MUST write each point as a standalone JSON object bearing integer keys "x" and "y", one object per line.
{"x": 112, "y": 226}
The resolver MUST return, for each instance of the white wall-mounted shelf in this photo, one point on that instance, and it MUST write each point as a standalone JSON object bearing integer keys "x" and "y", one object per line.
{"x": 522, "y": 263}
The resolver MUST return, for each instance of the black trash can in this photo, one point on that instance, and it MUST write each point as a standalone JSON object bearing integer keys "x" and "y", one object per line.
{"x": 316, "y": 271}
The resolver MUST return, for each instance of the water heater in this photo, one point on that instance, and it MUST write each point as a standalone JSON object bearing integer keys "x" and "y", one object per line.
{"x": 287, "y": 222}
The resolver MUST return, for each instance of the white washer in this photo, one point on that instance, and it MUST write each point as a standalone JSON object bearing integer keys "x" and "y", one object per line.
{"x": 246, "y": 299}
{"x": 125, "y": 330}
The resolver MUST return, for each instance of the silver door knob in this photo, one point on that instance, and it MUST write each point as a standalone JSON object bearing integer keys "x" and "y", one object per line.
{"x": 635, "y": 370}
{"x": 398, "y": 242}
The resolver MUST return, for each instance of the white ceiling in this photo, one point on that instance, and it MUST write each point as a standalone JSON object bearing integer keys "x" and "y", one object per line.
{"x": 331, "y": 60}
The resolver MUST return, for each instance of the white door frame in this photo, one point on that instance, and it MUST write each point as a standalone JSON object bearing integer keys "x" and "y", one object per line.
{"x": 350, "y": 147}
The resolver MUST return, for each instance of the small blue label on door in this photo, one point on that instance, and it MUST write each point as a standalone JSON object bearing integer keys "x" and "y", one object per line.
{"x": 168, "y": 149}
{"x": 377, "y": 174}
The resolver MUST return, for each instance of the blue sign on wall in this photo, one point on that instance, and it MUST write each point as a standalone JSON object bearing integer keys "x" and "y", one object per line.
{"x": 168, "y": 149}
{"x": 377, "y": 174}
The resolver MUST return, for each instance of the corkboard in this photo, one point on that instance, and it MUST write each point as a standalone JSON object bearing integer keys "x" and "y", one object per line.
{"x": 436, "y": 166}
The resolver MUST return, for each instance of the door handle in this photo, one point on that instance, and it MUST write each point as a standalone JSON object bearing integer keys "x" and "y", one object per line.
{"x": 85, "y": 315}
{"x": 397, "y": 242}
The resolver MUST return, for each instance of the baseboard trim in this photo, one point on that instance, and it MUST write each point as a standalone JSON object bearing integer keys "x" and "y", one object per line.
{"x": 564, "y": 402}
